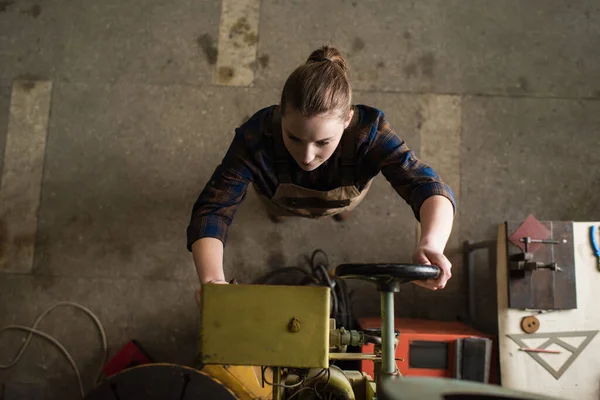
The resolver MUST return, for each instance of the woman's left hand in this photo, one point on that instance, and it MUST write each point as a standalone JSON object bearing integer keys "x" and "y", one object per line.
{"x": 428, "y": 255}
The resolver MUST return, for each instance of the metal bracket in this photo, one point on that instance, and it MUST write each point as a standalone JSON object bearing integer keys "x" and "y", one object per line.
{"x": 541, "y": 265}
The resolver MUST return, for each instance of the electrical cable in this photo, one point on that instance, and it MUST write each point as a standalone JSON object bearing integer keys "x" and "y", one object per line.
{"x": 319, "y": 264}
{"x": 265, "y": 278}
{"x": 326, "y": 382}
{"x": 32, "y": 330}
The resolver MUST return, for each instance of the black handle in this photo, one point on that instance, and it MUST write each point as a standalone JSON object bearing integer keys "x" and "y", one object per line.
{"x": 387, "y": 276}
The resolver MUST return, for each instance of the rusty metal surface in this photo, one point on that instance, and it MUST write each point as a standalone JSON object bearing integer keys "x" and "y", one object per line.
{"x": 544, "y": 289}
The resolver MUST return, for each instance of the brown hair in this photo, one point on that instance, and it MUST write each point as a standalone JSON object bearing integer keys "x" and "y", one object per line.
{"x": 319, "y": 86}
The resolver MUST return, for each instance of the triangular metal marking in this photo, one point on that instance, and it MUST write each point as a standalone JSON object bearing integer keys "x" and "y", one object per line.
{"x": 554, "y": 338}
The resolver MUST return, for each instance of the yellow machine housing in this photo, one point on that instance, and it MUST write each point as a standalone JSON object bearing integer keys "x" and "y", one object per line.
{"x": 265, "y": 325}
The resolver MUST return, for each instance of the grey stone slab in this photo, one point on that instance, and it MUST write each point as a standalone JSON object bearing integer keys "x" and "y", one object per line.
{"x": 122, "y": 175}
{"x": 153, "y": 41}
{"x": 522, "y": 156}
{"x": 22, "y": 173}
{"x": 5, "y": 90}
{"x": 509, "y": 47}
{"x": 161, "y": 315}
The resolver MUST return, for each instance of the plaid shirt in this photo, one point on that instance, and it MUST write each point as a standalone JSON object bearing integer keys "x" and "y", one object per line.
{"x": 251, "y": 158}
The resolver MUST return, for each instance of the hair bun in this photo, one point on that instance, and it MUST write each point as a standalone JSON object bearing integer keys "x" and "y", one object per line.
{"x": 329, "y": 54}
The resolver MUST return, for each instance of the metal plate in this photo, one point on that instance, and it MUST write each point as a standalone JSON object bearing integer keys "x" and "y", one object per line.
{"x": 249, "y": 325}
{"x": 545, "y": 289}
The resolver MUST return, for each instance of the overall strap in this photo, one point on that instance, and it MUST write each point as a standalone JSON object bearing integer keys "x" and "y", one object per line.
{"x": 282, "y": 165}
{"x": 348, "y": 153}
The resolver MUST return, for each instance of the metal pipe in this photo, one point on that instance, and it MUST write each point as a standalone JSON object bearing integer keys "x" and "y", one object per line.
{"x": 388, "y": 362}
{"x": 277, "y": 383}
{"x": 334, "y": 380}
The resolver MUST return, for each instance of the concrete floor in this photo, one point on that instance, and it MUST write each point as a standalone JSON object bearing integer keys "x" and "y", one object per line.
{"x": 137, "y": 127}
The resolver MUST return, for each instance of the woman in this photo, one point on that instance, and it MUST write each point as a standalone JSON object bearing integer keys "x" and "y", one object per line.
{"x": 314, "y": 156}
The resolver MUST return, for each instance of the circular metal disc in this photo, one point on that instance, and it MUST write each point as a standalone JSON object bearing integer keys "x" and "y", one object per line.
{"x": 530, "y": 324}
{"x": 161, "y": 381}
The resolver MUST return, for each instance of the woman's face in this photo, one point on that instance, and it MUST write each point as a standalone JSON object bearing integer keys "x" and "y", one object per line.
{"x": 311, "y": 141}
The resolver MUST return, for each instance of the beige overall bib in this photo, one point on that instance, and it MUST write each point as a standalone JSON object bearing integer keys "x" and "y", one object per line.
{"x": 294, "y": 200}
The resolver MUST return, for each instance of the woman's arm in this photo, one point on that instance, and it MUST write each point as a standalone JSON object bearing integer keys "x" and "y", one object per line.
{"x": 437, "y": 215}
{"x": 208, "y": 258}
{"x": 431, "y": 200}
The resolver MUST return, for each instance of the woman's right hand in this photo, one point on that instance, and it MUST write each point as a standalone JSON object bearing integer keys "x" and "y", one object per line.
{"x": 199, "y": 290}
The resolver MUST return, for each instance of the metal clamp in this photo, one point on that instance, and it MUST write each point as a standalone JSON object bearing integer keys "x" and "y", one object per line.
{"x": 524, "y": 261}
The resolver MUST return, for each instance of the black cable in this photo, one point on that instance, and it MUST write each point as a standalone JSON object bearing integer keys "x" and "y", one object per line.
{"x": 314, "y": 255}
{"x": 319, "y": 276}
{"x": 265, "y": 278}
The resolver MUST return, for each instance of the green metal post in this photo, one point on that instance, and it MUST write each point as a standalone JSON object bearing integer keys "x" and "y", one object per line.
{"x": 276, "y": 383}
{"x": 388, "y": 358}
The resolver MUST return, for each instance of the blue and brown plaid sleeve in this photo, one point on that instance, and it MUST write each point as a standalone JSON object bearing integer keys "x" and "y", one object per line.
{"x": 215, "y": 208}
{"x": 414, "y": 181}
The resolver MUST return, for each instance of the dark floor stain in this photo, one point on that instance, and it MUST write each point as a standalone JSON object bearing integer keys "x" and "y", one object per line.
{"x": 240, "y": 27}
{"x": 587, "y": 14}
{"x": 169, "y": 61}
{"x": 5, "y": 5}
{"x": 80, "y": 222}
{"x": 523, "y": 84}
{"x": 274, "y": 239}
{"x": 380, "y": 65}
{"x": 251, "y": 38}
{"x": 3, "y": 238}
{"x": 243, "y": 30}
{"x": 226, "y": 74}
{"x": 27, "y": 85}
{"x": 159, "y": 273}
{"x": 410, "y": 70}
{"x": 125, "y": 251}
{"x": 358, "y": 44}
{"x": 208, "y": 46}
{"x": 427, "y": 64}
{"x": 420, "y": 119}
{"x": 276, "y": 260}
{"x": 264, "y": 60}
{"x": 353, "y": 4}
{"x": 596, "y": 93}
{"x": 45, "y": 282}
{"x": 35, "y": 11}
{"x": 30, "y": 77}
{"x": 407, "y": 35}
{"x": 24, "y": 240}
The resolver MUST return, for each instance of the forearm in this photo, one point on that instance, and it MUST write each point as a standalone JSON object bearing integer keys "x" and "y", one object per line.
{"x": 437, "y": 216}
{"x": 208, "y": 258}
